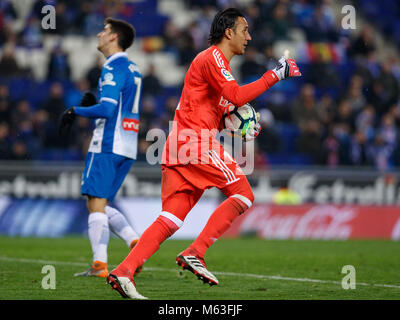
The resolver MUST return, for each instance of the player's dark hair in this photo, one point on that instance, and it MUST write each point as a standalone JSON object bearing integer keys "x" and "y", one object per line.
{"x": 125, "y": 31}
{"x": 223, "y": 20}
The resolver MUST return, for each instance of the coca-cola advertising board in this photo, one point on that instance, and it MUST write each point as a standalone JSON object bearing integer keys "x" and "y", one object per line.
{"x": 319, "y": 222}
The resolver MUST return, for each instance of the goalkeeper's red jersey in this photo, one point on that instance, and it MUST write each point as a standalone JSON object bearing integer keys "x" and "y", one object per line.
{"x": 209, "y": 88}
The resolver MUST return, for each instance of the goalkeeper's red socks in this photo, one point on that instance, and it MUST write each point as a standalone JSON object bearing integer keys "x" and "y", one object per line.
{"x": 162, "y": 228}
{"x": 150, "y": 241}
{"x": 217, "y": 224}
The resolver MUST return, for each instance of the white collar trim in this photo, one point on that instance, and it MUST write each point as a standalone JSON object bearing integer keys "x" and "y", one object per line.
{"x": 115, "y": 56}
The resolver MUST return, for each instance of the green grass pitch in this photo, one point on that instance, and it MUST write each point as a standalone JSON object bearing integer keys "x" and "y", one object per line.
{"x": 247, "y": 269}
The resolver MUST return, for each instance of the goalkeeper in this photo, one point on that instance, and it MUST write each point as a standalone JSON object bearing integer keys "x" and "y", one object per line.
{"x": 113, "y": 146}
{"x": 208, "y": 87}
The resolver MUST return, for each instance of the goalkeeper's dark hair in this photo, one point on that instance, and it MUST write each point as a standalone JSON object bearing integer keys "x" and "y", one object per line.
{"x": 223, "y": 20}
{"x": 125, "y": 31}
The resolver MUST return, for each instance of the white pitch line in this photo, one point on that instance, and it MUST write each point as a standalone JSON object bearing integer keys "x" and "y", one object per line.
{"x": 233, "y": 274}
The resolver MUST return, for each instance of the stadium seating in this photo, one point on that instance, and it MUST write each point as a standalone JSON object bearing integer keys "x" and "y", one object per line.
{"x": 149, "y": 18}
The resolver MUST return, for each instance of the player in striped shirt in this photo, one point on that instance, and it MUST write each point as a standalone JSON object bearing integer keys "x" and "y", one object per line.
{"x": 194, "y": 161}
{"x": 113, "y": 146}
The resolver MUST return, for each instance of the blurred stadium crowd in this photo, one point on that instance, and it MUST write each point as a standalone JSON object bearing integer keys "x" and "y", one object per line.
{"x": 345, "y": 110}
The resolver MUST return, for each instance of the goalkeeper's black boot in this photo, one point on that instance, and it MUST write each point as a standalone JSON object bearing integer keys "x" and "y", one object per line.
{"x": 190, "y": 260}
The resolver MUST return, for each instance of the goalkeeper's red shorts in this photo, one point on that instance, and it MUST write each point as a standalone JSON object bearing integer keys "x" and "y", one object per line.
{"x": 183, "y": 185}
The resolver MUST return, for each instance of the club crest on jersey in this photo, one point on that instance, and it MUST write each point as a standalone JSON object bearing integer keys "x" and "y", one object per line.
{"x": 130, "y": 125}
{"x": 227, "y": 75}
{"x": 108, "y": 79}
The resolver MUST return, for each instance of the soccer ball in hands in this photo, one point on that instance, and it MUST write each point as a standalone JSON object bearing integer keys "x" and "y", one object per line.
{"x": 242, "y": 121}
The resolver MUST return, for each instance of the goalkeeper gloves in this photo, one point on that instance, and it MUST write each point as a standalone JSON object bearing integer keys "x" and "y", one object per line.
{"x": 67, "y": 119}
{"x": 286, "y": 68}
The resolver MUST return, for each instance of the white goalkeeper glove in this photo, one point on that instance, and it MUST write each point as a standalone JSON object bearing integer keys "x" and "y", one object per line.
{"x": 286, "y": 68}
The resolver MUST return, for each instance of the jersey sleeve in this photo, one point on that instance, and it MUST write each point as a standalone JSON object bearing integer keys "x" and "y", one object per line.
{"x": 112, "y": 82}
{"x": 225, "y": 84}
{"x": 104, "y": 109}
{"x": 215, "y": 73}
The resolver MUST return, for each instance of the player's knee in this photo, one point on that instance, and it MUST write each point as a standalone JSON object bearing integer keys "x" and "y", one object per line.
{"x": 242, "y": 192}
{"x": 179, "y": 204}
{"x": 95, "y": 204}
{"x": 171, "y": 222}
{"x": 244, "y": 199}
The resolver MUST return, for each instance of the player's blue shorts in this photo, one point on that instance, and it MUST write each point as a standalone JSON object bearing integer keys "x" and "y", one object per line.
{"x": 103, "y": 174}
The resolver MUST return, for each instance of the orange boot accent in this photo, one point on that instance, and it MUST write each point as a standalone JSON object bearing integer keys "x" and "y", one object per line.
{"x": 99, "y": 269}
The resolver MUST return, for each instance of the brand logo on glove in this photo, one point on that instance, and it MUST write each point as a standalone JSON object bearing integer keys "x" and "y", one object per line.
{"x": 130, "y": 125}
{"x": 278, "y": 66}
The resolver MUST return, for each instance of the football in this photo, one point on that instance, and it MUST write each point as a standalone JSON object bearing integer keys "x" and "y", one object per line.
{"x": 239, "y": 119}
